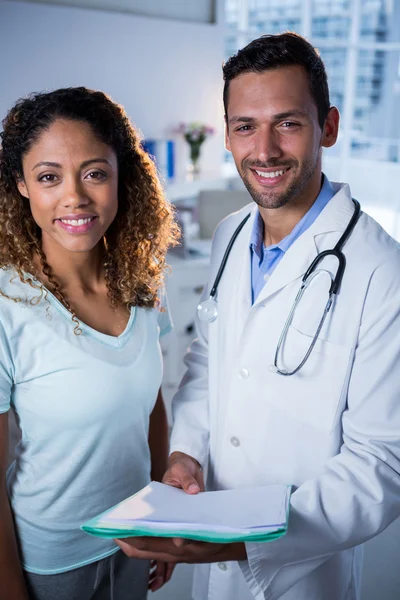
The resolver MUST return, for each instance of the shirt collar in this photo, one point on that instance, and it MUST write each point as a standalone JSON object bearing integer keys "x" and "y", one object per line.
{"x": 257, "y": 234}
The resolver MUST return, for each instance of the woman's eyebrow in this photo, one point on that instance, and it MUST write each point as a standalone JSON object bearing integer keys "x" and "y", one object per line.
{"x": 94, "y": 160}
{"x": 46, "y": 163}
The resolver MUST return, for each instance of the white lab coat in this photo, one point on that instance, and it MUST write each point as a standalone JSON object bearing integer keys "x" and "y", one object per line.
{"x": 332, "y": 430}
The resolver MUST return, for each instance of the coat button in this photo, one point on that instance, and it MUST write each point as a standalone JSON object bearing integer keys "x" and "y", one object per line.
{"x": 222, "y": 566}
{"x": 235, "y": 441}
{"x": 244, "y": 373}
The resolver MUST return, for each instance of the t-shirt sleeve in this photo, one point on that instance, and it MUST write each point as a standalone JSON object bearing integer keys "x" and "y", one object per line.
{"x": 6, "y": 371}
{"x": 164, "y": 316}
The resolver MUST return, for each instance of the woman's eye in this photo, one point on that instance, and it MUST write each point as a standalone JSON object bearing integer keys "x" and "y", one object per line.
{"x": 49, "y": 177}
{"x": 96, "y": 175}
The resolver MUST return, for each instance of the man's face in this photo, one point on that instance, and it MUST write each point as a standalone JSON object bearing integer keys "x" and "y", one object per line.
{"x": 274, "y": 135}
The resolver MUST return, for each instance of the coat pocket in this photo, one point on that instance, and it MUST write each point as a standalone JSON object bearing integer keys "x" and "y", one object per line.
{"x": 313, "y": 394}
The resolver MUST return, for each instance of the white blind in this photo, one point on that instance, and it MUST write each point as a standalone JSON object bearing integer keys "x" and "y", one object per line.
{"x": 200, "y": 11}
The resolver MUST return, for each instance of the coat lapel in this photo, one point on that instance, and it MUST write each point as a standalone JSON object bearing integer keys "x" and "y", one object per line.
{"x": 334, "y": 218}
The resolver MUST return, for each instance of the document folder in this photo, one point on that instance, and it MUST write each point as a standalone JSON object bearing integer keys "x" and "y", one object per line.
{"x": 248, "y": 514}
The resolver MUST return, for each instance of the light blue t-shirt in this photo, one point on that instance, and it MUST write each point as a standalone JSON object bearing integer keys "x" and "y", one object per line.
{"x": 83, "y": 404}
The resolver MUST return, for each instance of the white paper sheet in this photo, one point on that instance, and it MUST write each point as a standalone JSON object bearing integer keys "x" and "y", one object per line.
{"x": 262, "y": 509}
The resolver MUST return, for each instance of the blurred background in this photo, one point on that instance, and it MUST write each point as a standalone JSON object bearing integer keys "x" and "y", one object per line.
{"x": 162, "y": 61}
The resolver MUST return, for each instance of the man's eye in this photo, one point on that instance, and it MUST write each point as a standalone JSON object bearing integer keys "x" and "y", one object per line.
{"x": 288, "y": 124}
{"x": 244, "y": 128}
{"x": 49, "y": 177}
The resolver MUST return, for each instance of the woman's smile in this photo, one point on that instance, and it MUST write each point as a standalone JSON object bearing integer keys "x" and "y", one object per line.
{"x": 77, "y": 224}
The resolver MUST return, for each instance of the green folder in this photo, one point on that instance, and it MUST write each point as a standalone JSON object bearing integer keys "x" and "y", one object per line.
{"x": 207, "y": 513}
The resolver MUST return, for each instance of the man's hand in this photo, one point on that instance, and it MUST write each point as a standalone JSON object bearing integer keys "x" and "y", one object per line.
{"x": 177, "y": 550}
{"x": 160, "y": 573}
{"x": 184, "y": 472}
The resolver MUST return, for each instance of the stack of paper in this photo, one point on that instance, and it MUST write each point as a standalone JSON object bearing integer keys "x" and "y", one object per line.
{"x": 249, "y": 514}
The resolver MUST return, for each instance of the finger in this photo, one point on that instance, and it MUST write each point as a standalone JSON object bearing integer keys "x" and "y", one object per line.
{"x": 144, "y": 554}
{"x": 133, "y": 549}
{"x": 168, "y": 572}
{"x": 158, "y": 578}
{"x": 184, "y": 472}
{"x": 161, "y": 556}
{"x": 200, "y": 481}
{"x": 183, "y": 482}
{"x": 147, "y": 544}
{"x": 179, "y": 476}
{"x": 180, "y": 542}
{"x": 155, "y": 584}
{"x": 165, "y": 550}
{"x": 125, "y": 547}
{"x": 160, "y": 570}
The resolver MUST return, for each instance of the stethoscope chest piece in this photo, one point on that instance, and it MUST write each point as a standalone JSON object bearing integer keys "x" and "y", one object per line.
{"x": 208, "y": 310}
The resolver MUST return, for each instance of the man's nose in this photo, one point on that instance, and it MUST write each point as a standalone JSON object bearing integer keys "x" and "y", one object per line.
{"x": 268, "y": 147}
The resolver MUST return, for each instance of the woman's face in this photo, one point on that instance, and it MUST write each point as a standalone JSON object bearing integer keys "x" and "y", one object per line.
{"x": 71, "y": 180}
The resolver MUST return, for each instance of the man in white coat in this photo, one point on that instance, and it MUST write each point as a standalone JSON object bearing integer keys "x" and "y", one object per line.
{"x": 332, "y": 429}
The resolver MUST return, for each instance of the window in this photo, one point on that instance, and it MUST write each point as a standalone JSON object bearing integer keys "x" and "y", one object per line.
{"x": 359, "y": 41}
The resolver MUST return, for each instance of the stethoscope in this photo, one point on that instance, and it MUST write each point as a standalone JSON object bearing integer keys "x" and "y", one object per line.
{"x": 208, "y": 310}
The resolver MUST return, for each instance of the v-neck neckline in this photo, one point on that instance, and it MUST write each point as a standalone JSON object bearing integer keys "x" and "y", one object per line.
{"x": 110, "y": 340}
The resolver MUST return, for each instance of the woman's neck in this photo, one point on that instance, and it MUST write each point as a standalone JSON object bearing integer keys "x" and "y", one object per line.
{"x": 73, "y": 270}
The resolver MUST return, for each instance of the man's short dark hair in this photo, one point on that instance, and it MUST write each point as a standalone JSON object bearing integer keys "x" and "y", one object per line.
{"x": 270, "y": 52}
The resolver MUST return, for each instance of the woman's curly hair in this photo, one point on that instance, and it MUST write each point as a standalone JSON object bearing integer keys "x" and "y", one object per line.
{"x": 138, "y": 239}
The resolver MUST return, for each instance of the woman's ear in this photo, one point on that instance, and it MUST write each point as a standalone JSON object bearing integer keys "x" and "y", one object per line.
{"x": 331, "y": 128}
{"x": 21, "y": 185}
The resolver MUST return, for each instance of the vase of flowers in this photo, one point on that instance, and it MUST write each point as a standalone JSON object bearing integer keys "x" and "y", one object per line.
{"x": 195, "y": 134}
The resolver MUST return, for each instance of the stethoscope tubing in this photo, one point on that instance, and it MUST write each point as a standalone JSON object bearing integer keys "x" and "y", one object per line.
{"x": 333, "y": 291}
{"x": 308, "y": 275}
{"x": 337, "y": 252}
{"x": 227, "y": 252}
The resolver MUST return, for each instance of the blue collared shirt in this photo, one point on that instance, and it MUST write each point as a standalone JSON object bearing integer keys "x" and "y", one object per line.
{"x": 265, "y": 259}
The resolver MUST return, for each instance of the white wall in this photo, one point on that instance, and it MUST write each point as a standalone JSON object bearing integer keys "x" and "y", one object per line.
{"x": 162, "y": 71}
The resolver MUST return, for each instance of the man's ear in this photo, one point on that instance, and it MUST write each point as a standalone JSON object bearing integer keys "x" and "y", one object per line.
{"x": 331, "y": 128}
{"x": 227, "y": 142}
{"x": 21, "y": 185}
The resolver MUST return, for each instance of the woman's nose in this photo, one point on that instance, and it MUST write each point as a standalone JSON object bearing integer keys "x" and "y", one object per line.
{"x": 74, "y": 195}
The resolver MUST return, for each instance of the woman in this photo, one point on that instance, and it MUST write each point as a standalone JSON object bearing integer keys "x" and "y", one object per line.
{"x": 84, "y": 230}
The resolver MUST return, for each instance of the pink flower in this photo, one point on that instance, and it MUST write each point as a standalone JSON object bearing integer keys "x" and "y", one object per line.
{"x": 181, "y": 128}
{"x": 195, "y": 132}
